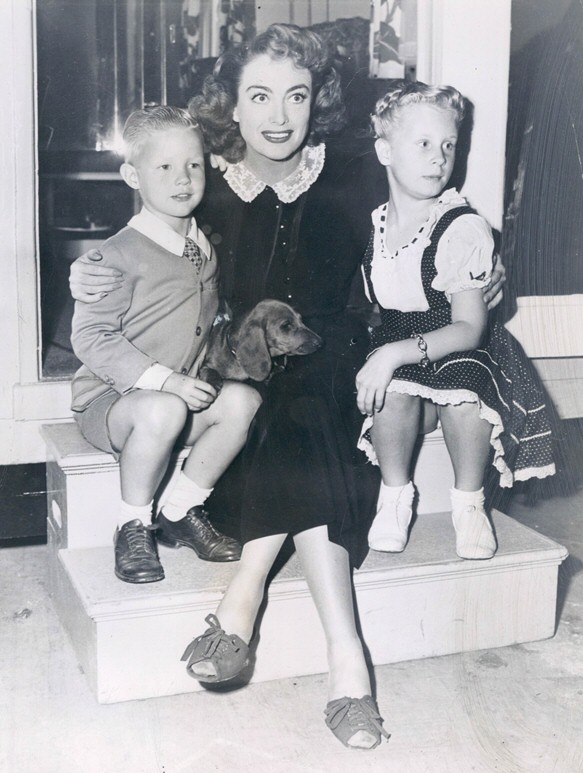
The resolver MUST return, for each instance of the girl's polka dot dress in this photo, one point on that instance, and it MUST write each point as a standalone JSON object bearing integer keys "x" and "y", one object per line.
{"x": 498, "y": 376}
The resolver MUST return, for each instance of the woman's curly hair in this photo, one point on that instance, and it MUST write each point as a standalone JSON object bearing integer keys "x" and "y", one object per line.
{"x": 403, "y": 93}
{"x": 213, "y": 109}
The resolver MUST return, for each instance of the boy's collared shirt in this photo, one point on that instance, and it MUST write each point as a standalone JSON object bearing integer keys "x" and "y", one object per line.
{"x": 151, "y": 226}
{"x": 158, "y": 231}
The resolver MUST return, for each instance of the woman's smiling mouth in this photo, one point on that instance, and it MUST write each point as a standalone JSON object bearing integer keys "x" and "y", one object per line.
{"x": 282, "y": 136}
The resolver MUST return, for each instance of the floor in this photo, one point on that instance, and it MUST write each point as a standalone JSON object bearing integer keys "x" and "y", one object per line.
{"x": 516, "y": 709}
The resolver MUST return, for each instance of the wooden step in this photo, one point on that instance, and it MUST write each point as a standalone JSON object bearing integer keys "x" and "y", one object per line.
{"x": 84, "y": 491}
{"x": 421, "y": 603}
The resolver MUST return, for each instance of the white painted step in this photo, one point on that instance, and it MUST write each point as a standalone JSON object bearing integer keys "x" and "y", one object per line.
{"x": 421, "y": 603}
{"x": 84, "y": 491}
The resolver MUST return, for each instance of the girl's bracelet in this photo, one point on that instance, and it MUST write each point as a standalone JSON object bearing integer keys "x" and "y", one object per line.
{"x": 422, "y": 344}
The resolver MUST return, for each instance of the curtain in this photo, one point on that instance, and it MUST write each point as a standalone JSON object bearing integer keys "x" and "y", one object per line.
{"x": 385, "y": 38}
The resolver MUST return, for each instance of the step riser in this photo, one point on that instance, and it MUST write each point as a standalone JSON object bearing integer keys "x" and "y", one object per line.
{"x": 83, "y": 504}
{"x": 421, "y": 603}
{"x": 83, "y": 500}
{"x": 133, "y": 654}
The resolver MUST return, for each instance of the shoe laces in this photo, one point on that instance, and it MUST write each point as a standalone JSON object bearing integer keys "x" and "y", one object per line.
{"x": 140, "y": 540}
{"x": 359, "y": 712}
{"x": 203, "y": 518}
{"x": 214, "y": 637}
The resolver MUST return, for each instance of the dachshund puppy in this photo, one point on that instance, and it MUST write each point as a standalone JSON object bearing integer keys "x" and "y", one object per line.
{"x": 242, "y": 349}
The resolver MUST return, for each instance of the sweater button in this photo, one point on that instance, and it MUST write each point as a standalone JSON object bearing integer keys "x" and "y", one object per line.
{"x": 198, "y": 331}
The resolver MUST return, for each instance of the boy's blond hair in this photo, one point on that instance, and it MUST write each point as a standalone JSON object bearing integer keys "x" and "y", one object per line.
{"x": 142, "y": 124}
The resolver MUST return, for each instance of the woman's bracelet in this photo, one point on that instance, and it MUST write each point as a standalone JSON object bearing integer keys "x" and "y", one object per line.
{"x": 422, "y": 344}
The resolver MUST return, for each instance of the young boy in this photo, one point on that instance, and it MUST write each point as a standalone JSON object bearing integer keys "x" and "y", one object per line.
{"x": 142, "y": 345}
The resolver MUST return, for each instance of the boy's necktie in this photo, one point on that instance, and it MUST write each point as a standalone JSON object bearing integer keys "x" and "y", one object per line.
{"x": 193, "y": 253}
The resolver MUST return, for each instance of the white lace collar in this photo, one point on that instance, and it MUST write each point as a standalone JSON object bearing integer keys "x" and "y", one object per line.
{"x": 248, "y": 186}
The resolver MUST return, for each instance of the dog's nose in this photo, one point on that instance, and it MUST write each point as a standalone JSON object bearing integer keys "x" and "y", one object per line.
{"x": 313, "y": 343}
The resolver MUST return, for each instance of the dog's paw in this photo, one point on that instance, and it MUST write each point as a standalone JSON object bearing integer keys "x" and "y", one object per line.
{"x": 212, "y": 377}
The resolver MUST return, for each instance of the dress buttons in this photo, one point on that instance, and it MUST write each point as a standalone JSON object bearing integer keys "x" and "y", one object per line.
{"x": 286, "y": 280}
{"x": 184, "y": 371}
{"x": 198, "y": 330}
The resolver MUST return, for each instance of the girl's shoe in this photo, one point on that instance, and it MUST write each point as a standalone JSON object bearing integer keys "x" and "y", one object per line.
{"x": 228, "y": 654}
{"x": 390, "y": 529}
{"x": 474, "y": 538}
{"x": 347, "y": 716}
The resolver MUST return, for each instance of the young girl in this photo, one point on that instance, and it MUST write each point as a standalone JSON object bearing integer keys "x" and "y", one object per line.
{"x": 426, "y": 263}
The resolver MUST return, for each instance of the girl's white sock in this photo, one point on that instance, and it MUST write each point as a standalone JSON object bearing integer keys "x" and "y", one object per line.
{"x": 462, "y": 499}
{"x": 185, "y": 494}
{"x": 404, "y": 493}
{"x": 130, "y": 512}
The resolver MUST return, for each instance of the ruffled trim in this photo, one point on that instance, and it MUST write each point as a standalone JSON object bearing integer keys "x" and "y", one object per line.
{"x": 247, "y": 186}
{"x": 455, "y": 397}
{"x": 449, "y": 199}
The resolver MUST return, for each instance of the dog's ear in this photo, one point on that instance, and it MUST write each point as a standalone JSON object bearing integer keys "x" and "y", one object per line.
{"x": 252, "y": 351}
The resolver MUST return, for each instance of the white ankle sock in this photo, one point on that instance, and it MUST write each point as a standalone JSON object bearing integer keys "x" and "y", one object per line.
{"x": 130, "y": 512}
{"x": 185, "y": 494}
{"x": 404, "y": 493}
{"x": 461, "y": 499}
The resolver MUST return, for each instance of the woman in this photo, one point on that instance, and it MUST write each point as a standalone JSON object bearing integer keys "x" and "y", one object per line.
{"x": 291, "y": 219}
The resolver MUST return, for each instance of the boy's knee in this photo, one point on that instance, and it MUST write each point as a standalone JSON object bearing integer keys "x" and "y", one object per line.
{"x": 163, "y": 412}
{"x": 240, "y": 401}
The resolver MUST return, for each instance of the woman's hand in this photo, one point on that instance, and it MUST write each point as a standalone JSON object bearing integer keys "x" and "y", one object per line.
{"x": 373, "y": 379}
{"x": 218, "y": 162}
{"x": 197, "y": 394}
{"x": 89, "y": 282}
{"x": 494, "y": 291}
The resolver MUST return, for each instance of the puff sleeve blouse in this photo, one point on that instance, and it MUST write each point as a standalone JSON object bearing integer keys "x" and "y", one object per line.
{"x": 464, "y": 258}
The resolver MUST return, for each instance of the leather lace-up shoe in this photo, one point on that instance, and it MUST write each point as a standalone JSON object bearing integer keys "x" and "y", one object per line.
{"x": 136, "y": 557}
{"x": 197, "y": 532}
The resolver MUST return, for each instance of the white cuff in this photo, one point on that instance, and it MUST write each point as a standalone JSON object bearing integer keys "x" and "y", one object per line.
{"x": 153, "y": 378}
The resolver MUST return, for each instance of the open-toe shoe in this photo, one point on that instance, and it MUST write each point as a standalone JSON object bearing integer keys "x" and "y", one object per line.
{"x": 227, "y": 653}
{"x": 347, "y": 716}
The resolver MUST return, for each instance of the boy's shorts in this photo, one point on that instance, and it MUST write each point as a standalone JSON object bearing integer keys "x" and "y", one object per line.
{"x": 93, "y": 422}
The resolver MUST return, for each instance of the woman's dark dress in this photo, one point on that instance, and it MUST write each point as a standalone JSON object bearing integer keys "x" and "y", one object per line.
{"x": 300, "y": 467}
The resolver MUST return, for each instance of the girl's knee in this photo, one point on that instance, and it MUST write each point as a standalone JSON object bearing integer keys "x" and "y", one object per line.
{"x": 397, "y": 404}
{"x": 460, "y": 413}
{"x": 401, "y": 399}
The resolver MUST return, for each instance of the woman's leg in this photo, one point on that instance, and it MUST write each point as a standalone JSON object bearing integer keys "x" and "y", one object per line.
{"x": 239, "y": 606}
{"x": 327, "y": 571}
